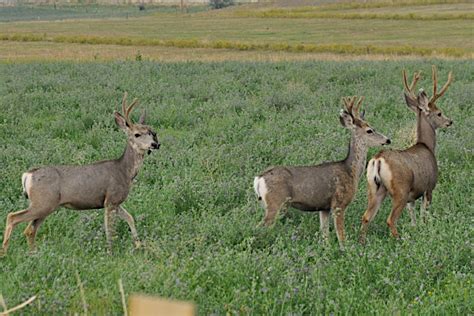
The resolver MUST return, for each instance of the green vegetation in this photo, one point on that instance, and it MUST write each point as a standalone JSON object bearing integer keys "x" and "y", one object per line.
{"x": 220, "y": 124}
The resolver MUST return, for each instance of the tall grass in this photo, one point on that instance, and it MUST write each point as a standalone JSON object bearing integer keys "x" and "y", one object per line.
{"x": 293, "y": 14}
{"x": 376, "y": 4}
{"x": 244, "y": 46}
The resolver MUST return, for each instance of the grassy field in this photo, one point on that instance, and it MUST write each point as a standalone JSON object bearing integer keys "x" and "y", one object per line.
{"x": 92, "y": 11}
{"x": 442, "y": 29}
{"x": 219, "y": 125}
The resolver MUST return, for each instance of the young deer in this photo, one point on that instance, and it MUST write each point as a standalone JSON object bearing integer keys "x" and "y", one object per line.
{"x": 103, "y": 184}
{"x": 326, "y": 187}
{"x": 411, "y": 173}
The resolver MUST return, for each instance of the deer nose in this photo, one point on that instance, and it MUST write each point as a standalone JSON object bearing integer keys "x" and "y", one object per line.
{"x": 155, "y": 145}
{"x": 450, "y": 123}
{"x": 388, "y": 142}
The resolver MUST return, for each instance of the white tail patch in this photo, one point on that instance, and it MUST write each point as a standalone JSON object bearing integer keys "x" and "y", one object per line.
{"x": 260, "y": 188}
{"x": 26, "y": 183}
{"x": 373, "y": 175}
{"x": 385, "y": 174}
{"x": 379, "y": 172}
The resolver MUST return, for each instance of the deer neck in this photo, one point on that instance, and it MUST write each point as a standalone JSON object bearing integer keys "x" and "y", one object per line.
{"x": 356, "y": 157}
{"x": 131, "y": 161}
{"x": 425, "y": 132}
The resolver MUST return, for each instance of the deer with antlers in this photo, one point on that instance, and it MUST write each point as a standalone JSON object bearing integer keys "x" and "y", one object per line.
{"x": 409, "y": 174}
{"x": 325, "y": 187}
{"x": 103, "y": 184}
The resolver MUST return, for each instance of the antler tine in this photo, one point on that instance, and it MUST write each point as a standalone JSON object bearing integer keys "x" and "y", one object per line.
{"x": 435, "y": 79}
{"x": 129, "y": 110}
{"x": 124, "y": 103}
{"x": 443, "y": 89}
{"x": 409, "y": 88}
{"x": 348, "y": 104}
{"x": 357, "y": 107}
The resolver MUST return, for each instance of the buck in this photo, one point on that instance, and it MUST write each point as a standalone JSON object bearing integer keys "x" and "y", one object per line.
{"x": 409, "y": 174}
{"x": 103, "y": 184}
{"x": 328, "y": 187}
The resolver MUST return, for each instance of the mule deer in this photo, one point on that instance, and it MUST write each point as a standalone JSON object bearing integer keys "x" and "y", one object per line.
{"x": 103, "y": 184}
{"x": 326, "y": 187}
{"x": 408, "y": 174}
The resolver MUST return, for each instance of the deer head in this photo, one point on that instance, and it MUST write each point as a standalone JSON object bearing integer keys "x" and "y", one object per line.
{"x": 423, "y": 104}
{"x": 141, "y": 137}
{"x": 351, "y": 119}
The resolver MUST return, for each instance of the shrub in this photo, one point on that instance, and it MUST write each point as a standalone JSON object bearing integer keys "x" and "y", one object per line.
{"x": 219, "y": 4}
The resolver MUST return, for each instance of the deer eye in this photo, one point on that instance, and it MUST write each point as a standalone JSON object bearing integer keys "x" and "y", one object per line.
{"x": 439, "y": 114}
{"x": 369, "y": 131}
{"x": 137, "y": 135}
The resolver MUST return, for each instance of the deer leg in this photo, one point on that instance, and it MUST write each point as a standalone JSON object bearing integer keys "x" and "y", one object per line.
{"x": 399, "y": 202}
{"x": 427, "y": 197}
{"x": 375, "y": 199}
{"x": 339, "y": 224}
{"x": 123, "y": 214}
{"x": 109, "y": 220}
{"x": 411, "y": 211}
{"x": 30, "y": 232}
{"x": 14, "y": 219}
{"x": 271, "y": 212}
{"x": 324, "y": 224}
{"x": 274, "y": 203}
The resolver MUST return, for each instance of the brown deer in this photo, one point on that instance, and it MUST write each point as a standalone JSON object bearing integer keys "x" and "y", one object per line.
{"x": 326, "y": 187}
{"x": 103, "y": 184}
{"x": 408, "y": 174}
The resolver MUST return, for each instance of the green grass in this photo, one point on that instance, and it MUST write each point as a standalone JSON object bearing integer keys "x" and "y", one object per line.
{"x": 219, "y": 125}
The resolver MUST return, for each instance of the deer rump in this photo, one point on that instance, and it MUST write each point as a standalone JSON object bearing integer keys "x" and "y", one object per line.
{"x": 76, "y": 187}
{"x": 414, "y": 168}
{"x": 307, "y": 188}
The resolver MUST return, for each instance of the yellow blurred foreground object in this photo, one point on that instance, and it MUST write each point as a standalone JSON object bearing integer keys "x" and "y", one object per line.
{"x": 141, "y": 305}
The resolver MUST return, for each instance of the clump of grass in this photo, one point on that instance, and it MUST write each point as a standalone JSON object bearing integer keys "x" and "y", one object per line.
{"x": 297, "y": 14}
{"x": 373, "y": 5}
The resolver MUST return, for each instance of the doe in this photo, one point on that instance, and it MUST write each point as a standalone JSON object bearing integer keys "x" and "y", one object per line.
{"x": 326, "y": 187}
{"x": 408, "y": 174}
{"x": 103, "y": 184}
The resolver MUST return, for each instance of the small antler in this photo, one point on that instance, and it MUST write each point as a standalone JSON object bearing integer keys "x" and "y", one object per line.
{"x": 127, "y": 110}
{"x": 436, "y": 95}
{"x": 409, "y": 88}
{"x": 357, "y": 107}
{"x": 349, "y": 103}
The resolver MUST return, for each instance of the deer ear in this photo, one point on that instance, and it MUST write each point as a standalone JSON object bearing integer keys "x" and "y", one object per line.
{"x": 120, "y": 121}
{"x": 412, "y": 103}
{"x": 423, "y": 101}
{"x": 346, "y": 119}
